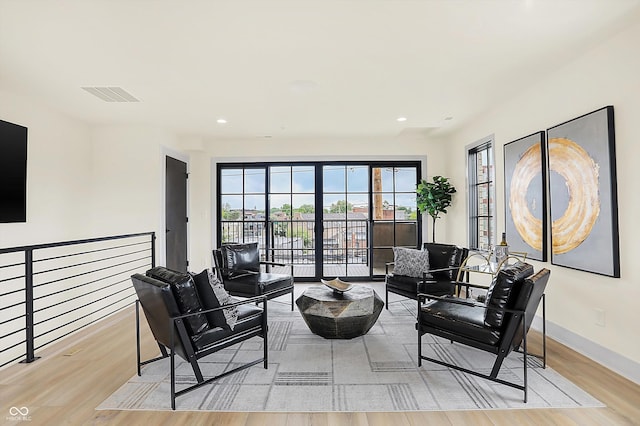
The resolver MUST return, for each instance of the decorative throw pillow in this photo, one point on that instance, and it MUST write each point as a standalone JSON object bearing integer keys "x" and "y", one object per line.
{"x": 213, "y": 295}
{"x": 410, "y": 262}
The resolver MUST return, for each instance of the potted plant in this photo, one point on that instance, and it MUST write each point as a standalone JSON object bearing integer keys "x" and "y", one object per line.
{"x": 434, "y": 197}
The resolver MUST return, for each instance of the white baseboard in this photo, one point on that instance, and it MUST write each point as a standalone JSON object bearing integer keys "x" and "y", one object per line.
{"x": 600, "y": 354}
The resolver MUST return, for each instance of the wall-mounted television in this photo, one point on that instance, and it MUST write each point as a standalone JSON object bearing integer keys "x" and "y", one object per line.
{"x": 13, "y": 172}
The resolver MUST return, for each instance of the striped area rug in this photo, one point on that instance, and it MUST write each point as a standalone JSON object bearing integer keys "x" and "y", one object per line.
{"x": 375, "y": 372}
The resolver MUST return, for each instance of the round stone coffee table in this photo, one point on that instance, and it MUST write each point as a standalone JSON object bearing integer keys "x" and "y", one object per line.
{"x": 340, "y": 316}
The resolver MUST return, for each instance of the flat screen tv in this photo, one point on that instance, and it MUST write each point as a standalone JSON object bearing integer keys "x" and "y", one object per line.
{"x": 13, "y": 172}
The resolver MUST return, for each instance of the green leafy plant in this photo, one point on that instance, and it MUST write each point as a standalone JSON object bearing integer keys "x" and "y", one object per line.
{"x": 434, "y": 197}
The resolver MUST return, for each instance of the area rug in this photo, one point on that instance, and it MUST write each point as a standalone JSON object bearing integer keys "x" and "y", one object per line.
{"x": 375, "y": 372}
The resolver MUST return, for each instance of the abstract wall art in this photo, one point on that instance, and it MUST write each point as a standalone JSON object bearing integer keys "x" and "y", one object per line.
{"x": 525, "y": 201}
{"x": 583, "y": 193}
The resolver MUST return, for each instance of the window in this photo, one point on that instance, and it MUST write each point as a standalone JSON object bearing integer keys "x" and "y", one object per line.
{"x": 481, "y": 195}
{"x": 242, "y": 205}
{"x": 328, "y": 219}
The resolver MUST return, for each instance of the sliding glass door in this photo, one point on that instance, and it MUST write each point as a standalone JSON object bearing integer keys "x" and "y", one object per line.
{"x": 292, "y": 218}
{"x": 327, "y": 219}
{"x": 394, "y": 214}
{"x": 345, "y": 221}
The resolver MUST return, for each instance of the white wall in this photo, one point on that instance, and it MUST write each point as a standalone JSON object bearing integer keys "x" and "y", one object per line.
{"x": 606, "y": 75}
{"x": 200, "y": 225}
{"x": 127, "y": 169}
{"x": 58, "y": 172}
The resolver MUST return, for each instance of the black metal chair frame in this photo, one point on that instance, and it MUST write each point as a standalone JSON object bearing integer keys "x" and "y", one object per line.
{"x": 518, "y": 319}
{"x": 269, "y": 294}
{"x": 176, "y": 325}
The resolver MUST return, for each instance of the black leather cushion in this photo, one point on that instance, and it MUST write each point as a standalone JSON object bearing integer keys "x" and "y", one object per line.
{"x": 249, "y": 316}
{"x": 213, "y": 295}
{"x": 240, "y": 259}
{"x": 186, "y": 295}
{"x": 504, "y": 288}
{"x": 255, "y": 285}
{"x": 460, "y": 319}
{"x": 414, "y": 286}
{"x": 445, "y": 256}
{"x": 269, "y": 282}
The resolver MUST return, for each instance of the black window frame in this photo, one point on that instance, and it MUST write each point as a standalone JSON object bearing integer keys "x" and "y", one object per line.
{"x": 319, "y": 165}
{"x": 485, "y": 146}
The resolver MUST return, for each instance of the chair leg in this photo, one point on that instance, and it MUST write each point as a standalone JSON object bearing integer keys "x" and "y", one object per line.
{"x": 419, "y": 335}
{"x": 196, "y": 369}
{"x": 524, "y": 357}
{"x": 173, "y": 366}
{"x": 163, "y": 350}
{"x": 497, "y": 364}
{"x": 386, "y": 298}
{"x": 265, "y": 333}
{"x": 544, "y": 333}
{"x": 419, "y": 347}
{"x": 138, "y": 336}
{"x": 291, "y": 300}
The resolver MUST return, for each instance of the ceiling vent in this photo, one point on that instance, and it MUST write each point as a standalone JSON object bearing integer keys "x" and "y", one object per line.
{"x": 111, "y": 94}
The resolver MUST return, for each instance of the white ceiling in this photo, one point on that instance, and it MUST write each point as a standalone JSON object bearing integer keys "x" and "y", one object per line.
{"x": 297, "y": 68}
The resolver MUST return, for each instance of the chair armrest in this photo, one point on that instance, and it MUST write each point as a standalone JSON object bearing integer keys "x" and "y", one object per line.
{"x": 270, "y": 263}
{"x": 266, "y": 262}
{"x": 232, "y": 274}
{"x": 449, "y": 268}
{"x": 457, "y": 300}
{"x": 256, "y": 299}
{"x": 467, "y": 302}
{"x": 424, "y": 273}
{"x": 386, "y": 267}
{"x": 466, "y": 284}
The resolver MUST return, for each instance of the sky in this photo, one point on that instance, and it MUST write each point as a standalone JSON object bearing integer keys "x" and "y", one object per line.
{"x": 295, "y": 186}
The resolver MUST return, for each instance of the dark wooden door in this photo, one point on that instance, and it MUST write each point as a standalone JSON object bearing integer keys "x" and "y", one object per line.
{"x": 176, "y": 214}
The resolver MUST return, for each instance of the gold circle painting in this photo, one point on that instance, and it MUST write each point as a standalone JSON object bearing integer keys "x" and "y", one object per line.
{"x": 528, "y": 226}
{"x": 580, "y": 173}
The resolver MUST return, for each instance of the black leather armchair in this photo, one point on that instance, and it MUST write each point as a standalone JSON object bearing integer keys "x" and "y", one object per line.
{"x": 439, "y": 280}
{"x": 239, "y": 268}
{"x": 179, "y": 322}
{"x": 498, "y": 326}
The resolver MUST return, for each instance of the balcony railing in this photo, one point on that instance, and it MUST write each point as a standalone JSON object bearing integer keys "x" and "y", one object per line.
{"x": 49, "y": 291}
{"x": 294, "y": 241}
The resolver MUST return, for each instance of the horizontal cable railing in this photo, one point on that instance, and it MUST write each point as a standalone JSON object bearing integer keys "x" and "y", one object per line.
{"x": 49, "y": 291}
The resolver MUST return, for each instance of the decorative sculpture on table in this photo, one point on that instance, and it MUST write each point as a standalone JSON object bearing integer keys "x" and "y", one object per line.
{"x": 337, "y": 285}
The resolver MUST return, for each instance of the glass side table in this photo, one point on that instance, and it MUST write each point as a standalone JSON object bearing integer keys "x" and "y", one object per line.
{"x": 484, "y": 263}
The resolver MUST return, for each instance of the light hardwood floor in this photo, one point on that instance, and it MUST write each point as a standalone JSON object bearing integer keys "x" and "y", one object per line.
{"x": 77, "y": 374}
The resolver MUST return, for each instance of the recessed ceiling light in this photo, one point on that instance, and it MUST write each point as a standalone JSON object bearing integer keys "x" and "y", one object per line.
{"x": 221, "y": 121}
{"x": 401, "y": 119}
